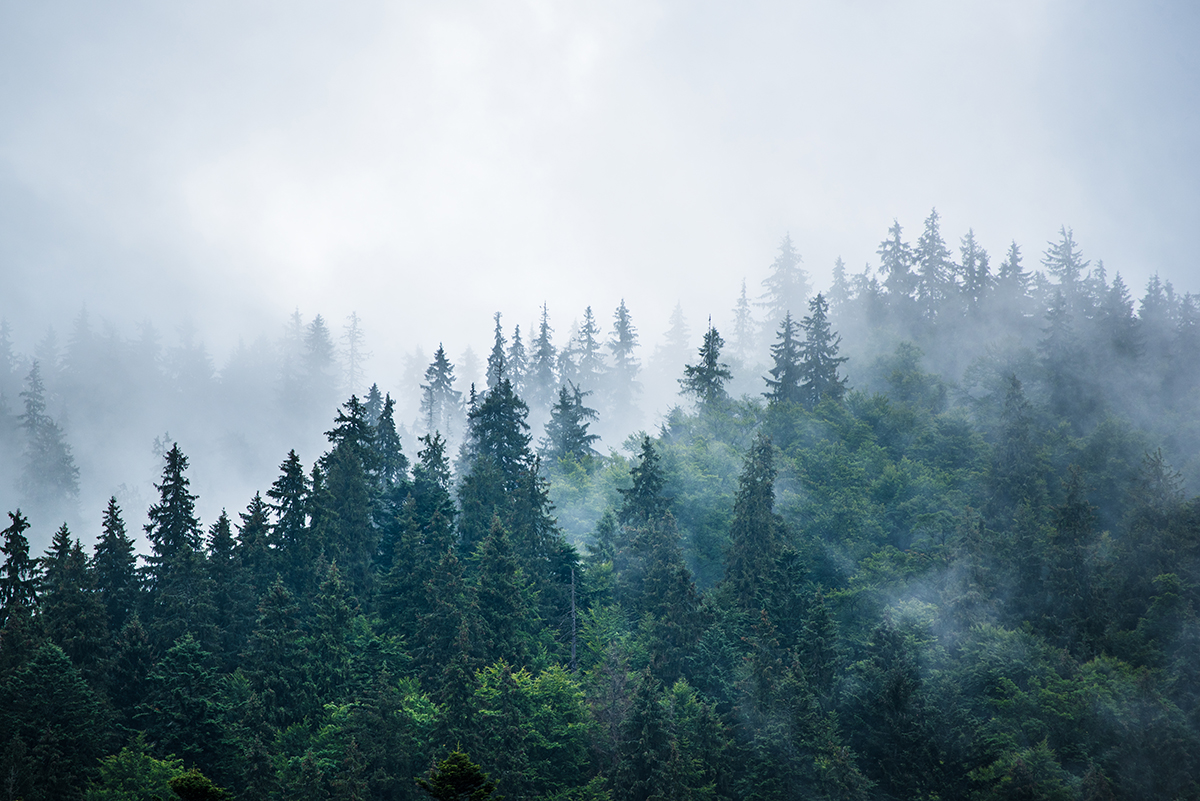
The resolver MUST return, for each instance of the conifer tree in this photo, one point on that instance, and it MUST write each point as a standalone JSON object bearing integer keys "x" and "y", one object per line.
{"x": 567, "y": 434}
{"x": 19, "y": 582}
{"x": 1012, "y": 282}
{"x": 644, "y": 500}
{"x": 116, "y": 568}
{"x": 373, "y": 404}
{"x": 319, "y": 368}
{"x": 456, "y": 778}
{"x": 355, "y": 349}
{"x": 389, "y": 453}
{"x": 289, "y": 501}
{"x": 743, "y": 327}
{"x": 819, "y": 366}
{"x": 50, "y": 480}
{"x": 1064, "y": 262}
{"x": 977, "y": 280}
{"x": 645, "y": 747}
{"x": 786, "y": 288}
{"x": 751, "y": 564}
{"x": 935, "y": 268}
{"x": 233, "y": 593}
{"x": 71, "y": 613}
{"x": 705, "y": 380}
{"x": 840, "y": 291}
{"x": 541, "y": 380}
{"x": 507, "y": 614}
{"x": 591, "y": 356}
{"x": 440, "y": 402}
{"x": 276, "y": 660}
{"x": 787, "y": 376}
{"x": 173, "y": 526}
{"x": 496, "y": 367}
{"x": 516, "y": 362}
{"x": 330, "y": 652}
{"x": 621, "y": 343}
{"x": 896, "y": 260}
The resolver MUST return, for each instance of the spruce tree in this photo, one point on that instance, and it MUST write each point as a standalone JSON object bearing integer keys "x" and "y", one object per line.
{"x": 705, "y": 380}
{"x": 896, "y": 260}
{"x": 173, "y": 526}
{"x": 116, "y": 568}
{"x": 440, "y": 402}
{"x": 567, "y": 434}
{"x": 591, "y": 356}
{"x": 233, "y": 593}
{"x": 389, "y": 453}
{"x": 644, "y": 501}
{"x": 71, "y": 612}
{"x": 19, "y": 582}
{"x": 786, "y": 288}
{"x": 977, "y": 280}
{"x": 503, "y": 595}
{"x": 1064, "y": 262}
{"x": 743, "y": 327}
{"x": 496, "y": 368}
{"x": 787, "y": 376}
{"x": 622, "y": 341}
{"x": 819, "y": 366}
{"x": 541, "y": 379}
{"x": 289, "y": 501}
{"x": 276, "y": 660}
{"x": 516, "y": 362}
{"x": 50, "y": 479}
{"x": 756, "y": 542}
{"x": 935, "y": 268}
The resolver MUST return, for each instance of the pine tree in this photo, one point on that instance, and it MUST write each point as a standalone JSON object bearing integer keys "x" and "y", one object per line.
{"x": 935, "y": 268}
{"x": 116, "y": 569}
{"x": 896, "y": 260}
{"x": 1064, "y": 262}
{"x": 706, "y": 379}
{"x": 756, "y": 543}
{"x": 840, "y": 292}
{"x": 373, "y": 404}
{"x": 541, "y": 381}
{"x": 507, "y": 614}
{"x": 819, "y": 366}
{"x": 330, "y": 653}
{"x": 233, "y": 593}
{"x": 787, "y": 287}
{"x": 276, "y": 660}
{"x": 644, "y": 501}
{"x": 456, "y": 778}
{"x": 319, "y": 368}
{"x": 389, "y": 453}
{"x": 19, "y": 582}
{"x": 496, "y": 368}
{"x": 440, "y": 402}
{"x": 743, "y": 327}
{"x": 787, "y": 376}
{"x": 71, "y": 612}
{"x": 516, "y": 362}
{"x": 676, "y": 343}
{"x": 50, "y": 480}
{"x": 355, "y": 349}
{"x": 60, "y": 722}
{"x": 621, "y": 343}
{"x": 294, "y": 548}
{"x": 173, "y": 525}
{"x": 591, "y": 357}
{"x": 977, "y": 281}
{"x": 645, "y": 747}
{"x": 567, "y": 434}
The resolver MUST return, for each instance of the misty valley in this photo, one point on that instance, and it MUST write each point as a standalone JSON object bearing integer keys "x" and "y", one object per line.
{"x": 930, "y": 532}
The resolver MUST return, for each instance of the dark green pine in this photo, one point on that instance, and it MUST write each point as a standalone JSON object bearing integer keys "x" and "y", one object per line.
{"x": 115, "y": 566}
{"x": 751, "y": 563}
{"x": 72, "y": 614}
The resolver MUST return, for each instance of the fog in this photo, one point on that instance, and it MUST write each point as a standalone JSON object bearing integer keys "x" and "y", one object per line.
{"x": 427, "y": 165}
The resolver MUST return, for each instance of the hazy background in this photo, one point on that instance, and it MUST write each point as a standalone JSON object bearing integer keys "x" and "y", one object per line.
{"x": 426, "y": 164}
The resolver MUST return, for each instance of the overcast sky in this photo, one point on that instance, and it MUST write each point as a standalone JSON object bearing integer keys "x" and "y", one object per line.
{"x": 428, "y": 163}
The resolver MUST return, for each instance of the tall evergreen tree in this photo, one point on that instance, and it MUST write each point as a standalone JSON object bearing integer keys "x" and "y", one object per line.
{"x": 517, "y": 362}
{"x": 591, "y": 356}
{"x": 290, "y": 534}
{"x": 71, "y": 612}
{"x": 1064, "y": 262}
{"x": 173, "y": 525}
{"x": 440, "y": 402}
{"x": 705, "y": 380}
{"x": 896, "y": 260}
{"x": 233, "y": 594}
{"x": 319, "y": 361}
{"x": 567, "y": 434}
{"x": 787, "y": 376}
{"x": 19, "y": 582}
{"x": 743, "y": 327}
{"x": 116, "y": 568}
{"x": 756, "y": 542}
{"x": 935, "y": 268}
{"x": 975, "y": 271}
{"x": 507, "y": 614}
{"x": 819, "y": 366}
{"x": 354, "y": 343}
{"x": 622, "y": 341}
{"x": 496, "y": 367}
{"x": 786, "y": 288}
{"x": 644, "y": 500}
{"x": 541, "y": 381}
{"x": 50, "y": 480}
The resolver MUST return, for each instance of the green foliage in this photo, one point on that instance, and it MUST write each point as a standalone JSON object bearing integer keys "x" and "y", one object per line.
{"x": 457, "y": 778}
{"x": 133, "y": 774}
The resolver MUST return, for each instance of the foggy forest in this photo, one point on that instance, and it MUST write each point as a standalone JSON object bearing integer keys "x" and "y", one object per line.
{"x": 927, "y": 532}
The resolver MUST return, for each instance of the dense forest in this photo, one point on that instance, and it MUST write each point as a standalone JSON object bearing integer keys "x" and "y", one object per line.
{"x": 927, "y": 534}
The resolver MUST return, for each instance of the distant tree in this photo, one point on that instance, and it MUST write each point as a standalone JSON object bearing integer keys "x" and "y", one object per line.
{"x": 173, "y": 525}
{"x": 786, "y": 288}
{"x": 319, "y": 367}
{"x": 975, "y": 272}
{"x": 440, "y": 402}
{"x": 517, "y": 363}
{"x": 116, "y": 568}
{"x": 1064, "y": 262}
{"x": 819, "y": 366}
{"x": 756, "y": 537}
{"x": 644, "y": 500}
{"x": 705, "y": 380}
{"x": 1121, "y": 327}
{"x": 676, "y": 344}
{"x": 935, "y": 268}
{"x": 50, "y": 480}
{"x": 354, "y": 346}
{"x": 591, "y": 357}
{"x": 896, "y": 259}
{"x": 392, "y": 464}
{"x": 787, "y": 375}
{"x": 567, "y": 434}
{"x": 496, "y": 368}
{"x": 743, "y": 327}
{"x": 540, "y": 382}
{"x": 840, "y": 291}
{"x": 621, "y": 343}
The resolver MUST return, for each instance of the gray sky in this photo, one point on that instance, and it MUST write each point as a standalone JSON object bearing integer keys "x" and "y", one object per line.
{"x": 428, "y": 163}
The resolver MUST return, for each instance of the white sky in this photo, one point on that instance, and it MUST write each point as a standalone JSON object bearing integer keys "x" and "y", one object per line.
{"x": 428, "y": 163}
